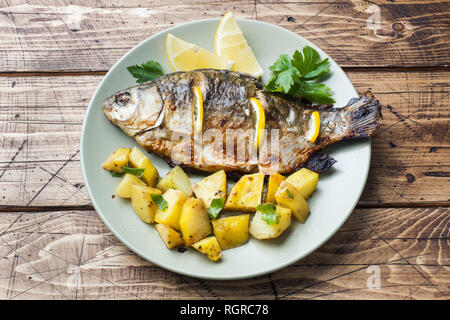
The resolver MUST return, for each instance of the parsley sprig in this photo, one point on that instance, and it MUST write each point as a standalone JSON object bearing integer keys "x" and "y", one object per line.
{"x": 159, "y": 201}
{"x": 269, "y": 214}
{"x": 289, "y": 194}
{"x": 298, "y": 76}
{"x": 147, "y": 71}
{"x": 215, "y": 207}
{"x": 138, "y": 172}
{"x": 116, "y": 174}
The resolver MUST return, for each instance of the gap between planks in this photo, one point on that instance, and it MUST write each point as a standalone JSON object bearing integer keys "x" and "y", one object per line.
{"x": 57, "y": 73}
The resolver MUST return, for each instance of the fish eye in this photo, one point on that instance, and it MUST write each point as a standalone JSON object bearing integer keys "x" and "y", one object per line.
{"x": 122, "y": 98}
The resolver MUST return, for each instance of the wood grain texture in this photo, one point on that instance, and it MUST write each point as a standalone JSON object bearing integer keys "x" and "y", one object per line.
{"x": 71, "y": 255}
{"x": 411, "y": 148}
{"x": 41, "y": 118}
{"x": 90, "y": 36}
{"x": 54, "y": 246}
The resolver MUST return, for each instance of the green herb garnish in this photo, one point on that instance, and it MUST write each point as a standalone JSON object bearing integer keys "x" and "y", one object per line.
{"x": 298, "y": 76}
{"x": 147, "y": 71}
{"x": 215, "y": 207}
{"x": 138, "y": 172}
{"x": 289, "y": 194}
{"x": 159, "y": 201}
{"x": 268, "y": 212}
{"x": 116, "y": 174}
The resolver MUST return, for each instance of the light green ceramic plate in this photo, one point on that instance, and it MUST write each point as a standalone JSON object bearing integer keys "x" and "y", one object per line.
{"x": 331, "y": 204}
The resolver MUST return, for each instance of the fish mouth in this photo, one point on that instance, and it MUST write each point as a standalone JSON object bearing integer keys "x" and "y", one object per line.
{"x": 107, "y": 109}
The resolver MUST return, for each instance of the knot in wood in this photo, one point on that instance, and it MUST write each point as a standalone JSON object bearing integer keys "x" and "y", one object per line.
{"x": 399, "y": 27}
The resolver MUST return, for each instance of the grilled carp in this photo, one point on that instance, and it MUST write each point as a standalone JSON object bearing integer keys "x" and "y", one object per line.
{"x": 160, "y": 116}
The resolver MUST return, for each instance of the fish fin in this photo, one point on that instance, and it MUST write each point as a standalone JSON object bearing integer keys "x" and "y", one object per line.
{"x": 364, "y": 114}
{"x": 320, "y": 162}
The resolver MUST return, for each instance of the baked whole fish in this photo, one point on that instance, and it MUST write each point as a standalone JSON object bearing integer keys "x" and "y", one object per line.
{"x": 160, "y": 116}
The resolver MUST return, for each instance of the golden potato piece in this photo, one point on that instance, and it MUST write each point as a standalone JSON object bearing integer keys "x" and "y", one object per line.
{"x": 123, "y": 189}
{"x": 209, "y": 247}
{"x": 176, "y": 179}
{"x": 171, "y": 215}
{"x": 139, "y": 160}
{"x": 169, "y": 236}
{"x": 117, "y": 160}
{"x": 260, "y": 229}
{"x": 194, "y": 221}
{"x": 289, "y": 197}
{"x": 211, "y": 187}
{"x": 274, "y": 182}
{"x": 142, "y": 202}
{"x": 231, "y": 231}
{"x": 246, "y": 193}
{"x": 305, "y": 181}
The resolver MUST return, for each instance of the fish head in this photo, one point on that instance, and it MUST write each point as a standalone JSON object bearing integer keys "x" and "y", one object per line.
{"x": 136, "y": 109}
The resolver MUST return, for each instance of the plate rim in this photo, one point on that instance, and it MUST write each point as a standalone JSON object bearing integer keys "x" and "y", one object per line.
{"x": 168, "y": 266}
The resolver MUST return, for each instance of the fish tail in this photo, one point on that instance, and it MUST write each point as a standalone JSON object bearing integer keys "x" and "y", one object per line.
{"x": 364, "y": 113}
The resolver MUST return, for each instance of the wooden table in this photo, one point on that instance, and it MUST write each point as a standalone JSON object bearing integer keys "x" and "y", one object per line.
{"x": 54, "y": 246}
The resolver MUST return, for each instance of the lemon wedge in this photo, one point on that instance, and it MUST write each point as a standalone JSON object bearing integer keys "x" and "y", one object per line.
{"x": 314, "y": 127}
{"x": 198, "y": 109}
{"x": 185, "y": 56}
{"x": 230, "y": 43}
{"x": 259, "y": 121}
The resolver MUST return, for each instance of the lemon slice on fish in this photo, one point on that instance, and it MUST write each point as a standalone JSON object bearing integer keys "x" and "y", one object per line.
{"x": 198, "y": 109}
{"x": 259, "y": 121}
{"x": 314, "y": 127}
{"x": 230, "y": 43}
{"x": 185, "y": 56}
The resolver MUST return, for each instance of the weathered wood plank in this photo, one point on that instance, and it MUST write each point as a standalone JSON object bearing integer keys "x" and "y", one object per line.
{"x": 41, "y": 117}
{"x": 410, "y": 150}
{"x": 88, "y": 36}
{"x": 71, "y": 254}
{"x": 395, "y": 242}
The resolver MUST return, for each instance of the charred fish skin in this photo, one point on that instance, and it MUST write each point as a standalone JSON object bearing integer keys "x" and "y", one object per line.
{"x": 159, "y": 116}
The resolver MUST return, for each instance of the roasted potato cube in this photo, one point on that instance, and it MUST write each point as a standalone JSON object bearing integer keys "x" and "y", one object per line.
{"x": 260, "y": 229}
{"x": 142, "y": 202}
{"x": 176, "y": 179}
{"x": 231, "y": 231}
{"x": 305, "y": 181}
{"x": 117, "y": 160}
{"x": 171, "y": 237}
{"x": 246, "y": 193}
{"x": 139, "y": 160}
{"x": 171, "y": 214}
{"x": 209, "y": 247}
{"x": 274, "y": 182}
{"x": 194, "y": 221}
{"x": 289, "y": 197}
{"x": 123, "y": 189}
{"x": 211, "y": 187}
